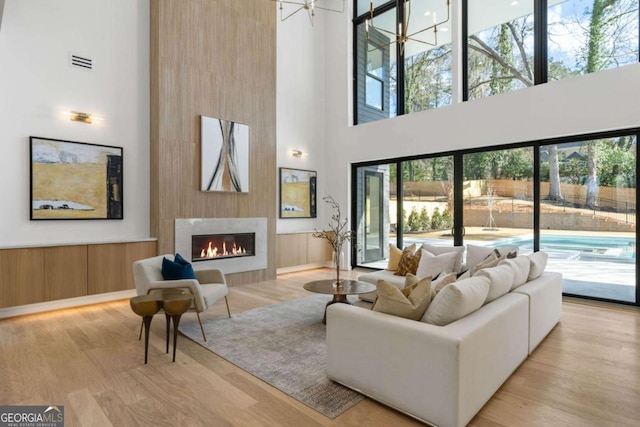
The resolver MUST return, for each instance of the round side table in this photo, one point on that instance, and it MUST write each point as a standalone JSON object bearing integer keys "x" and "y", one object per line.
{"x": 174, "y": 306}
{"x": 145, "y": 306}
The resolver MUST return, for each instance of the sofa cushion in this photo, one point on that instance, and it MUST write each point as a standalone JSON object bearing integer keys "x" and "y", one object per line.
{"x": 439, "y": 250}
{"x": 392, "y": 300}
{"x": 409, "y": 261}
{"x": 490, "y": 261}
{"x": 442, "y": 281}
{"x": 501, "y": 278}
{"x": 432, "y": 265}
{"x": 178, "y": 269}
{"x": 475, "y": 254}
{"x": 457, "y": 300}
{"x": 395, "y": 254}
{"x": 521, "y": 265}
{"x": 538, "y": 262}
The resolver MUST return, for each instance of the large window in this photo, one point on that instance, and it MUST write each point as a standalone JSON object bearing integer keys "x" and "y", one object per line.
{"x": 500, "y": 47}
{"x": 413, "y": 74}
{"x": 586, "y": 36}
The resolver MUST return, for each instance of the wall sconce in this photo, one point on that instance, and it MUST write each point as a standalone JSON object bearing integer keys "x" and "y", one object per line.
{"x": 296, "y": 153}
{"x": 77, "y": 116}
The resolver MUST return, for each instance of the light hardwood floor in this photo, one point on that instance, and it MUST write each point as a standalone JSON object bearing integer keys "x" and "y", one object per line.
{"x": 585, "y": 373}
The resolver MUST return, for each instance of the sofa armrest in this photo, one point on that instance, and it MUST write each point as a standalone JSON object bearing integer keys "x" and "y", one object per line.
{"x": 191, "y": 284}
{"x": 399, "y": 362}
{"x": 210, "y": 276}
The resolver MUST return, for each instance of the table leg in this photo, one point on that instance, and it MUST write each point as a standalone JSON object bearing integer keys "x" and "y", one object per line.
{"x": 168, "y": 324}
{"x": 176, "y": 322}
{"x": 336, "y": 298}
{"x": 147, "y": 325}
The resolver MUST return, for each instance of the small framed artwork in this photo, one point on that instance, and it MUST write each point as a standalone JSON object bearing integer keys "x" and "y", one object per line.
{"x": 225, "y": 155}
{"x": 297, "y": 193}
{"x": 75, "y": 180}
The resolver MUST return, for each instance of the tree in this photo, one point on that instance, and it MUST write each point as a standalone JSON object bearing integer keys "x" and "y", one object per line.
{"x": 413, "y": 222}
{"x": 424, "y": 220}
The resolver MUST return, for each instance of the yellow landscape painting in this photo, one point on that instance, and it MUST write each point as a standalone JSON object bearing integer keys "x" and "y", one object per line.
{"x": 297, "y": 193}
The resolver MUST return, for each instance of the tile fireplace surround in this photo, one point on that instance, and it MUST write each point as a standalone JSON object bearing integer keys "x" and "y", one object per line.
{"x": 185, "y": 228}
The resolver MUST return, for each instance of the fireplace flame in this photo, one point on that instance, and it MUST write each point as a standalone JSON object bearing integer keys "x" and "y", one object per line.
{"x": 213, "y": 252}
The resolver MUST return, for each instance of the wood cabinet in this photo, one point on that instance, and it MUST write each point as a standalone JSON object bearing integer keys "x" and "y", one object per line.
{"x": 32, "y": 275}
{"x": 65, "y": 272}
{"x": 21, "y": 276}
{"x": 299, "y": 249}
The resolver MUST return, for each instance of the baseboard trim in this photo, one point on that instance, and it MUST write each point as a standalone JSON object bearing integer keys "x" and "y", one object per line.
{"x": 41, "y": 307}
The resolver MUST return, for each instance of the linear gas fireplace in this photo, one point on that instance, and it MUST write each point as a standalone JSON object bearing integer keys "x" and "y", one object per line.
{"x": 216, "y": 246}
{"x": 233, "y": 245}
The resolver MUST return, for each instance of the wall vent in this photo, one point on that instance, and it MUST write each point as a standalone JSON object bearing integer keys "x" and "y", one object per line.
{"x": 80, "y": 62}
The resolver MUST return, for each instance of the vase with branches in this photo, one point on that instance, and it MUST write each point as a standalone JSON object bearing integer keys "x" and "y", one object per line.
{"x": 337, "y": 234}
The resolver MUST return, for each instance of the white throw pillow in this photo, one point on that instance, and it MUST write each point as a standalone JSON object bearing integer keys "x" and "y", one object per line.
{"x": 501, "y": 278}
{"x": 432, "y": 265}
{"x": 439, "y": 250}
{"x": 475, "y": 254}
{"x": 457, "y": 300}
{"x": 538, "y": 262}
{"x": 521, "y": 266}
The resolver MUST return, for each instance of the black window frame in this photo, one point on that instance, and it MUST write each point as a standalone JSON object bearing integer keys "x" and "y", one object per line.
{"x": 458, "y": 179}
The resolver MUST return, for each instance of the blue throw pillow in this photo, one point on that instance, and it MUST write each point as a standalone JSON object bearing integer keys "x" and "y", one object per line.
{"x": 178, "y": 269}
{"x": 181, "y": 260}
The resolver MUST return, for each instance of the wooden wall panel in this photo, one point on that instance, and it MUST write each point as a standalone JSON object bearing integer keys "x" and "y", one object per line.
{"x": 291, "y": 249}
{"x": 65, "y": 272}
{"x": 106, "y": 268}
{"x": 134, "y": 252}
{"x": 21, "y": 277}
{"x": 318, "y": 250}
{"x": 215, "y": 58}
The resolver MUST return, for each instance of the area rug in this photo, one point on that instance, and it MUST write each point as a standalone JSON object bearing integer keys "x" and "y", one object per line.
{"x": 282, "y": 344}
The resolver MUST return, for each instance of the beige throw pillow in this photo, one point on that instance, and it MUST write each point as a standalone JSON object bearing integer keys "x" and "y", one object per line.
{"x": 501, "y": 278}
{"x": 538, "y": 262}
{"x": 394, "y": 257}
{"x": 409, "y": 261}
{"x": 490, "y": 261}
{"x": 439, "y": 250}
{"x": 476, "y": 254}
{"x": 391, "y": 300}
{"x": 432, "y": 265}
{"x": 457, "y": 300}
{"x": 521, "y": 266}
{"x": 442, "y": 281}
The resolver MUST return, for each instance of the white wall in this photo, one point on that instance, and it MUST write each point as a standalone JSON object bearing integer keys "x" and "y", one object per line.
{"x": 300, "y": 105}
{"x": 597, "y": 102}
{"x": 36, "y": 82}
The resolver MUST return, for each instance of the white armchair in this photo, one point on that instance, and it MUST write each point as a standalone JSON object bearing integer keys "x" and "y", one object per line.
{"x": 208, "y": 287}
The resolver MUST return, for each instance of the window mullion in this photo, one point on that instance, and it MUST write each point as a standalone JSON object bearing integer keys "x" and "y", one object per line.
{"x": 540, "y": 34}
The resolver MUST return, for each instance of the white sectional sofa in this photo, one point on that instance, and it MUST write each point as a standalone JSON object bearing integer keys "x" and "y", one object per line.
{"x": 441, "y": 375}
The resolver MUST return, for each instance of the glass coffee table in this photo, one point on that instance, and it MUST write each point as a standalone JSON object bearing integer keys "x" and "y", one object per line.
{"x": 346, "y": 287}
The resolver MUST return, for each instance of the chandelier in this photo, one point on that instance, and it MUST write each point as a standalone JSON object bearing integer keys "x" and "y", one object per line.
{"x": 404, "y": 33}
{"x": 309, "y": 5}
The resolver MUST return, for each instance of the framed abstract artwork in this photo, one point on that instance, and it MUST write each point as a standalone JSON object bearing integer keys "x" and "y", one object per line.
{"x": 225, "y": 155}
{"x": 75, "y": 180}
{"x": 297, "y": 193}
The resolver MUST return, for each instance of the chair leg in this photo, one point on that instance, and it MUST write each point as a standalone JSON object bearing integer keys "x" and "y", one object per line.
{"x": 227, "y": 301}
{"x": 141, "y": 325}
{"x": 201, "y": 328}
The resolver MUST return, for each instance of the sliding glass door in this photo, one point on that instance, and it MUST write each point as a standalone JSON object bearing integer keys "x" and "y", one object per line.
{"x": 588, "y": 215}
{"x": 498, "y": 198}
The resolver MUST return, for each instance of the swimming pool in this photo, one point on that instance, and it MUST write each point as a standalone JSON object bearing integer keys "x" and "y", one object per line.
{"x": 584, "y": 247}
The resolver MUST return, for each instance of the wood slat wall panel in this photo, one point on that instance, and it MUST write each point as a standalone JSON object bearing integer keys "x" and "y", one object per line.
{"x": 318, "y": 250}
{"x": 21, "y": 276}
{"x": 214, "y": 58}
{"x": 65, "y": 272}
{"x": 106, "y": 269}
